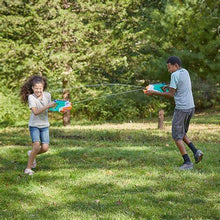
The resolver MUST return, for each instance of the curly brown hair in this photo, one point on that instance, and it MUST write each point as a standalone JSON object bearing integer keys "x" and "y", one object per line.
{"x": 26, "y": 88}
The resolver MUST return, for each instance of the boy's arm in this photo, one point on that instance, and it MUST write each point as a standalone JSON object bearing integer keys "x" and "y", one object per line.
{"x": 169, "y": 94}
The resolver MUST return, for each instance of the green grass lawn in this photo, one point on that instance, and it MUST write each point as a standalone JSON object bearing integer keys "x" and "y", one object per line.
{"x": 111, "y": 171}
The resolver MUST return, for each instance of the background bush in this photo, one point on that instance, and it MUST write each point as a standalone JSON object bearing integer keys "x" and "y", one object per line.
{"x": 79, "y": 43}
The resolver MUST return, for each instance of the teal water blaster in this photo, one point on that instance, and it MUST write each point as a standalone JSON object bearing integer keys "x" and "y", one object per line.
{"x": 61, "y": 106}
{"x": 159, "y": 87}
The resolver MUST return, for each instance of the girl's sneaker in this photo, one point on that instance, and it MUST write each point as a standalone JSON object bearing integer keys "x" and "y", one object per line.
{"x": 29, "y": 172}
{"x": 35, "y": 162}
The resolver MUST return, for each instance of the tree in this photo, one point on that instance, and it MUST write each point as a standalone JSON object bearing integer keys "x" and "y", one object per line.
{"x": 76, "y": 43}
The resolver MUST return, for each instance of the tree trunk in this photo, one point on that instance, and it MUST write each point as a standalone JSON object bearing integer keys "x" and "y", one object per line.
{"x": 66, "y": 96}
{"x": 160, "y": 119}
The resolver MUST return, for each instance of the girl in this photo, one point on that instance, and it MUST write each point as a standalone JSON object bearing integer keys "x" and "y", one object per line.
{"x": 32, "y": 92}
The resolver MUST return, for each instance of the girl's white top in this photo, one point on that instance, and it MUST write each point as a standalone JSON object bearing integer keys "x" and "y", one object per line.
{"x": 40, "y": 120}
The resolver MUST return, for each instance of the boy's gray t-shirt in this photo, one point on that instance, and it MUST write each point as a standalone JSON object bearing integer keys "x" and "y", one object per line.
{"x": 180, "y": 81}
{"x": 40, "y": 120}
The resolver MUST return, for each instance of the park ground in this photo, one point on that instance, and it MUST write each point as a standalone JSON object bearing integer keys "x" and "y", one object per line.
{"x": 111, "y": 171}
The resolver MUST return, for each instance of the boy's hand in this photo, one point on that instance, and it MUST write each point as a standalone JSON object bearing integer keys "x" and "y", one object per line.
{"x": 164, "y": 88}
{"x": 150, "y": 92}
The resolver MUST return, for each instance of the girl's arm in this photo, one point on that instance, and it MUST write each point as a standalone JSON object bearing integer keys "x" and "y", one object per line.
{"x": 37, "y": 111}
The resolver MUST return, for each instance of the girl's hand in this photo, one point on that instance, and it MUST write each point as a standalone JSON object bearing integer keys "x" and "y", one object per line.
{"x": 51, "y": 104}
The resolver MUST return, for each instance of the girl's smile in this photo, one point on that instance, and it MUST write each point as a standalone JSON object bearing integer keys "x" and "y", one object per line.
{"x": 38, "y": 89}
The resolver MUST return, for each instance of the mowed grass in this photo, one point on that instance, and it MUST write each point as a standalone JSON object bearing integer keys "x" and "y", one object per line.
{"x": 111, "y": 171}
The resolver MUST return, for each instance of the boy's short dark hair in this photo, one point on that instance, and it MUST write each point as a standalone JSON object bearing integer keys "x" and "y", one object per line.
{"x": 173, "y": 60}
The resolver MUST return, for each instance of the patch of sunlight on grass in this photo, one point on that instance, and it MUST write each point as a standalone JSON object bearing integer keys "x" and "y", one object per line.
{"x": 168, "y": 195}
{"x": 204, "y": 127}
{"x": 121, "y": 162}
{"x": 109, "y": 126}
{"x": 40, "y": 190}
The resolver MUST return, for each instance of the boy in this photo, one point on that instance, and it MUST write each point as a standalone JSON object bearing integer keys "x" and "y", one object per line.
{"x": 180, "y": 90}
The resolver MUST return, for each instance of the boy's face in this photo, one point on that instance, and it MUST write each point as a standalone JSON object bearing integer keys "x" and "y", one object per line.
{"x": 172, "y": 68}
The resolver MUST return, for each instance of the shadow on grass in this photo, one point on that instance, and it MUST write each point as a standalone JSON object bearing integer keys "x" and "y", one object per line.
{"x": 110, "y": 158}
{"x": 112, "y": 136}
{"x": 111, "y": 200}
{"x": 67, "y": 138}
{"x": 97, "y": 148}
{"x": 122, "y": 158}
{"x": 157, "y": 194}
{"x": 15, "y": 136}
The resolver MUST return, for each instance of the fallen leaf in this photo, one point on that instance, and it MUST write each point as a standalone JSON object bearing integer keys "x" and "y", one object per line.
{"x": 118, "y": 202}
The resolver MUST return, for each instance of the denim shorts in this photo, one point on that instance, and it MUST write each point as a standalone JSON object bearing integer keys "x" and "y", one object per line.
{"x": 180, "y": 123}
{"x": 39, "y": 134}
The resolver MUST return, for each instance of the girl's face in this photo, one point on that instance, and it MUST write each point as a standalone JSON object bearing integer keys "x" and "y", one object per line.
{"x": 38, "y": 89}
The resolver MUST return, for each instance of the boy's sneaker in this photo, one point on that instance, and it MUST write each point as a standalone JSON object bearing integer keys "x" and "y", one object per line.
{"x": 29, "y": 172}
{"x": 35, "y": 162}
{"x": 187, "y": 166}
{"x": 198, "y": 156}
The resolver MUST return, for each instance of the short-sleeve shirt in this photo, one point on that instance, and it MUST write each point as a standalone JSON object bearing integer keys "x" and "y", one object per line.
{"x": 40, "y": 120}
{"x": 181, "y": 82}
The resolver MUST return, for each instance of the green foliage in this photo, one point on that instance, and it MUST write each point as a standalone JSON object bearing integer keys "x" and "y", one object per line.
{"x": 88, "y": 42}
{"x": 11, "y": 110}
{"x": 206, "y": 97}
{"x": 124, "y": 107}
{"x": 112, "y": 109}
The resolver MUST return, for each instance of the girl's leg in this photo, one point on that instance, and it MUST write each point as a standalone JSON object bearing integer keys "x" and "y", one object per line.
{"x": 33, "y": 154}
{"x": 44, "y": 148}
{"x": 38, "y": 135}
{"x": 44, "y": 136}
